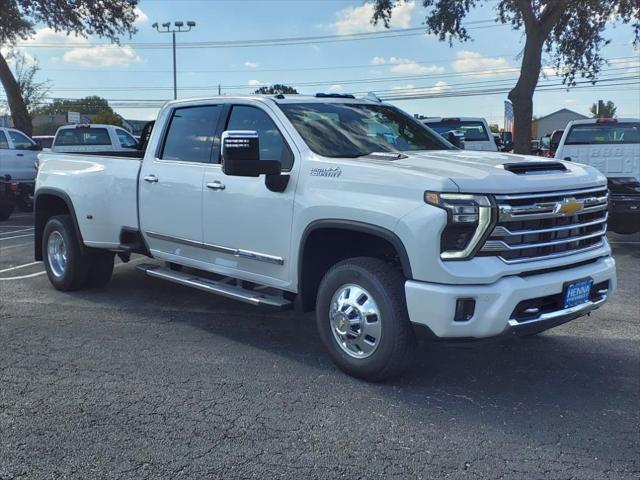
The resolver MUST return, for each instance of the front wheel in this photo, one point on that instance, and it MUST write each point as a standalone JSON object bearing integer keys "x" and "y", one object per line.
{"x": 362, "y": 318}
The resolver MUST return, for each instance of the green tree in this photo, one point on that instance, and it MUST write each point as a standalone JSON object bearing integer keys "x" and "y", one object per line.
{"x": 275, "y": 89}
{"x": 18, "y": 18}
{"x": 569, "y": 31}
{"x": 494, "y": 127}
{"x": 108, "y": 117}
{"x": 87, "y": 105}
{"x": 603, "y": 109}
{"x": 25, "y": 71}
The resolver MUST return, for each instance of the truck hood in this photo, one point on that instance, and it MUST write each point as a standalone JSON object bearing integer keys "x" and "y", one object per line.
{"x": 484, "y": 172}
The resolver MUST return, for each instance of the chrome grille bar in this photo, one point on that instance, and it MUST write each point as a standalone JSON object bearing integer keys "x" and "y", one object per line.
{"x": 539, "y": 211}
{"x": 501, "y": 231}
{"x": 568, "y": 193}
{"x": 499, "y": 245}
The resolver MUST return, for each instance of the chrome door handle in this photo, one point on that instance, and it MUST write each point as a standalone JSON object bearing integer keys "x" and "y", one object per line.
{"x": 216, "y": 185}
{"x": 151, "y": 179}
{"x": 19, "y": 154}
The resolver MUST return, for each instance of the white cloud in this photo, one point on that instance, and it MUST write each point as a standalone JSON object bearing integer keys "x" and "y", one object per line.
{"x": 84, "y": 54}
{"x": 478, "y": 66}
{"x": 406, "y": 66}
{"x": 335, "y": 89}
{"x": 254, "y": 83}
{"x": 358, "y": 19}
{"x": 102, "y": 56}
{"x": 141, "y": 17}
{"x": 249, "y": 64}
{"x": 410, "y": 89}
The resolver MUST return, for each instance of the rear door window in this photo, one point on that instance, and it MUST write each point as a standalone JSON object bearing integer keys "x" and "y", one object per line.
{"x": 82, "y": 137}
{"x": 4, "y": 144}
{"x": 604, "y": 133}
{"x": 191, "y": 136}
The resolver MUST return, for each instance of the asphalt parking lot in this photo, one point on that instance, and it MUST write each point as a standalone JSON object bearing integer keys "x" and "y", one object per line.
{"x": 146, "y": 379}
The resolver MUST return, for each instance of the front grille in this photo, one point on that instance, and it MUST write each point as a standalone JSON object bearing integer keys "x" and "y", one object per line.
{"x": 547, "y": 225}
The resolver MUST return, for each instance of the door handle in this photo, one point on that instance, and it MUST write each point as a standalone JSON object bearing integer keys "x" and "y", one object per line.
{"x": 216, "y": 185}
{"x": 151, "y": 179}
{"x": 19, "y": 154}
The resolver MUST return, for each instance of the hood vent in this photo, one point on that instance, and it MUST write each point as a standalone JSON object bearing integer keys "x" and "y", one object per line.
{"x": 534, "y": 168}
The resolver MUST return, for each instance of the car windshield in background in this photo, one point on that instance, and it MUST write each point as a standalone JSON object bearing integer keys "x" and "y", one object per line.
{"x": 83, "y": 137}
{"x": 604, "y": 133}
{"x": 473, "y": 131}
{"x": 354, "y": 130}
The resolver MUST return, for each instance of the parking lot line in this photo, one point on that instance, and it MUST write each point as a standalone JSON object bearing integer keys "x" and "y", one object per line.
{"x": 17, "y": 236}
{"x": 13, "y": 226}
{"x": 18, "y": 267}
{"x": 31, "y": 275}
{"x": 16, "y": 231}
{"x": 17, "y": 246}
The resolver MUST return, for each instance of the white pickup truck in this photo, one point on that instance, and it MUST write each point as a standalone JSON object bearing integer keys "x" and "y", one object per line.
{"x": 85, "y": 138}
{"x": 350, "y": 207}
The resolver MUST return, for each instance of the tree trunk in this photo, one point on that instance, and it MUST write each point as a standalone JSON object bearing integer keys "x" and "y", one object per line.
{"x": 521, "y": 95}
{"x": 19, "y": 112}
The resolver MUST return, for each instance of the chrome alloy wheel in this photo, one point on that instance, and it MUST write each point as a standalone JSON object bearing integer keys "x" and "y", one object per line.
{"x": 57, "y": 254}
{"x": 355, "y": 321}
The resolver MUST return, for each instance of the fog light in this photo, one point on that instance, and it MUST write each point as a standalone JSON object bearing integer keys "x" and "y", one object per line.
{"x": 465, "y": 308}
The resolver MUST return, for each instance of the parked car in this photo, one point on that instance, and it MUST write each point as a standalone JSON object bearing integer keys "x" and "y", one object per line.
{"x": 84, "y": 138}
{"x": 554, "y": 142}
{"x": 18, "y": 154}
{"x": 477, "y": 135}
{"x": 45, "y": 141}
{"x": 507, "y": 141}
{"x": 297, "y": 202}
{"x": 613, "y": 147}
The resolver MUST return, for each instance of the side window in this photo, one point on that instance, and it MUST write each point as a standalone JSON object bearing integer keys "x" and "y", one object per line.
{"x": 272, "y": 144}
{"x": 20, "y": 142}
{"x": 126, "y": 140}
{"x": 191, "y": 134}
{"x": 4, "y": 144}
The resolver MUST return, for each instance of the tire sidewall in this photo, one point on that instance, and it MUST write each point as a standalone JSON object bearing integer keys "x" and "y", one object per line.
{"x": 390, "y": 317}
{"x": 70, "y": 279}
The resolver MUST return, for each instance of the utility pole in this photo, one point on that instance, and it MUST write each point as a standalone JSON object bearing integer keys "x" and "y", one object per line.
{"x": 178, "y": 28}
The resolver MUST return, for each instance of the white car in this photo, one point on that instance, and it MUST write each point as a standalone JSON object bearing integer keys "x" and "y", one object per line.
{"x": 613, "y": 147}
{"x": 477, "y": 134}
{"x": 83, "y": 138}
{"x": 350, "y": 207}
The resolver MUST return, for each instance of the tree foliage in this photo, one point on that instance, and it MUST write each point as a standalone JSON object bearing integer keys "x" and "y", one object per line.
{"x": 105, "y": 18}
{"x": 88, "y": 105}
{"x": 25, "y": 71}
{"x": 570, "y": 32}
{"x": 602, "y": 109}
{"x": 275, "y": 89}
{"x": 108, "y": 117}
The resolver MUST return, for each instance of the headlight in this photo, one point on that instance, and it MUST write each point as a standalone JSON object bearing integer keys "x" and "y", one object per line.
{"x": 468, "y": 220}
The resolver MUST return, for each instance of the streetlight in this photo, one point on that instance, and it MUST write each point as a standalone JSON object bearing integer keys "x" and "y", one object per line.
{"x": 178, "y": 27}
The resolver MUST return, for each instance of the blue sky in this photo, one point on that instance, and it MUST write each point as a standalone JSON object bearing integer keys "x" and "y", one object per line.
{"x": 132, "y": 72}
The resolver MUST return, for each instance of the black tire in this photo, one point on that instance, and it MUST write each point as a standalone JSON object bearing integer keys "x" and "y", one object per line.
{"x": 6, "y": 209}
{"x": 397, "y": 338}
{"x": 100, "y": 268}
{"x": 74, "y": 275}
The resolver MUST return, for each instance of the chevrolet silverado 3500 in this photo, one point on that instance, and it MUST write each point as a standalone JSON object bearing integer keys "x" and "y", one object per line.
{"x": 350, "y": 207}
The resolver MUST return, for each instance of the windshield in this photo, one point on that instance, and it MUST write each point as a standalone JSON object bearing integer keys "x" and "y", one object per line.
{"x": 342, "y": 130}
{"x": 602, "y": 133}
{"x": 474, "y": 131}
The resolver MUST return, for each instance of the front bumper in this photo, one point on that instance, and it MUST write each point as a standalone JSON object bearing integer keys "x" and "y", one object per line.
{"x": 433, "y": 305}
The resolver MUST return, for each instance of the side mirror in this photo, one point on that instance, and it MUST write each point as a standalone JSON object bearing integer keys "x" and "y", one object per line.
{"x": 456, "y": 138}
{"x": 241, "y": 155}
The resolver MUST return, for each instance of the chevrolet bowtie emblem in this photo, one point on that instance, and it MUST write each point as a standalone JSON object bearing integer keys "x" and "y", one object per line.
{"x": 569, "y": 206}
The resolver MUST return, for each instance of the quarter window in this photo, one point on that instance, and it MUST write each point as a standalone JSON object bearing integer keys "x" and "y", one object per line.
{"x": 126, "y": 140}
{"x": 272, "y": 144}
{"x": 3, "y": 141}
{"x": 191, "y": 135}
{"x": 20, "y": 141}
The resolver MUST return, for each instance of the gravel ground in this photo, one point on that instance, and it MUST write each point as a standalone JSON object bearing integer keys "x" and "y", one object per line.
{"x": 145, "y": 379}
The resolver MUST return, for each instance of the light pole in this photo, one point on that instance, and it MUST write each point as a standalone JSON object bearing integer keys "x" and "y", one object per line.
{"x": 178, "y": 27}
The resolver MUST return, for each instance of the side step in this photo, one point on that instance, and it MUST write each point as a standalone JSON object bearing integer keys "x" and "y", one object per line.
{"x": 221, "y": 288}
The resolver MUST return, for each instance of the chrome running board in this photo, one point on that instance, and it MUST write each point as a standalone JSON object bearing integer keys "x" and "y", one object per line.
{"x": 221, "y": 288}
